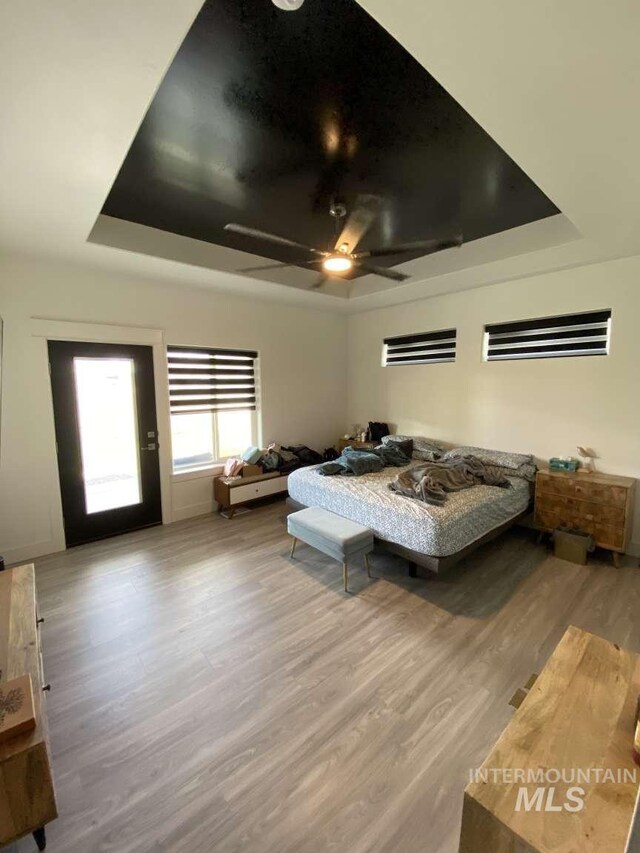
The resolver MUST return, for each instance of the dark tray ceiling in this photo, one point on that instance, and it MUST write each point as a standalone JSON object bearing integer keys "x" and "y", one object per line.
{"x": 265, "y": 115}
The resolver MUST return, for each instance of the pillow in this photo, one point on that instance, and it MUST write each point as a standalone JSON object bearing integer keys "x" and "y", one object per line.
{"x": 431, "y": 454}
{"x": 515, "y": 464}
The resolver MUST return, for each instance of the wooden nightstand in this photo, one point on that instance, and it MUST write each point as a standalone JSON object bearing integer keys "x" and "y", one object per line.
{"x": 598, "y": 504}
{"x": 351, "y": 442}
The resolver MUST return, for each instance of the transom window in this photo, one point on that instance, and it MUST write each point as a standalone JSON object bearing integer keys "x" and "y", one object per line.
{"x": 549, "y": 337}
{"x": 420, "y": 348}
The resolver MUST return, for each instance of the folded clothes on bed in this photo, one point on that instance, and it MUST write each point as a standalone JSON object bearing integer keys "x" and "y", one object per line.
{"x": 431, "y": 481}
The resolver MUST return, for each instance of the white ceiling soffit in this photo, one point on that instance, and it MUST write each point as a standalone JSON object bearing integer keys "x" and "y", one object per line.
{"x": 555, "y": 84}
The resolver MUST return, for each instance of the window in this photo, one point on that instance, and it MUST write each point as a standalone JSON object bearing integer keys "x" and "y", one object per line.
{"x": 549, "y": 337}
{"x": 423, "y": 348}
{"x": 213, "y": 402}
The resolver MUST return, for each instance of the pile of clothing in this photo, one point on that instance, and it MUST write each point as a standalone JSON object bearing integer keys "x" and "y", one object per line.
{"x": 356, "y": 461}
{"x": 284, "y": 460}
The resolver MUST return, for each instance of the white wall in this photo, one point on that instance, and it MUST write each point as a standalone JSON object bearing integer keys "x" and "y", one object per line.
{"x": 547, "y": 407}
{"x": 302, "y": 369}
{"x": 542, "y": 406}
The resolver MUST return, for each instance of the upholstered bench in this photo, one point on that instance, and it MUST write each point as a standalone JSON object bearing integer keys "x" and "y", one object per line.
{"x": 333, "y": 535}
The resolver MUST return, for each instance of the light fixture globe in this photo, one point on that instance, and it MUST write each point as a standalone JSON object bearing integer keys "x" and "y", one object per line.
{"x": 337, "y": 263}
{"x": 288, "y": 5}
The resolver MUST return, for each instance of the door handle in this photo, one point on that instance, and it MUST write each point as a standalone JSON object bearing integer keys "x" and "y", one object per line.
{"x": 150, "y": 446}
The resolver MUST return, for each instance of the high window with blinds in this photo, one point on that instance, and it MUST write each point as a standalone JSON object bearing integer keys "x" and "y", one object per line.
{"x": 549, "y": 337}
{"x": 213, "y": 401}
{"x": 421, "y": 348}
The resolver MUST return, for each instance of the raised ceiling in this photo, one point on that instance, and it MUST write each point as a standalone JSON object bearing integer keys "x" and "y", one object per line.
{"x": 264, "y": 116}
{"x": 552, "y": 94}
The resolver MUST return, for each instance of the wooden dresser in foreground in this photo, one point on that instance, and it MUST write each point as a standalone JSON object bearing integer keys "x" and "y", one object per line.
{"x": 27, "y": 797}
{"x": 578, "y": 716}
{"x": 599, "y": 504}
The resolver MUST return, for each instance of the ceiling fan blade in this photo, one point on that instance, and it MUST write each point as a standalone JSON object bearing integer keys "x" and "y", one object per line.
{"x": 265, "y": 267}
{"x": 360, "y": 219}
{"x": 272, "y": 238}
{"x": 319, "y": 282}
{"x": 394, "y": 275}
{"x": 427, "y": 246}
{"x": 279, "y": 266}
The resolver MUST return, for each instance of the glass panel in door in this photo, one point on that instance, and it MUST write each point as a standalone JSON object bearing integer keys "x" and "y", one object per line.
{"x": 107, "y": 421}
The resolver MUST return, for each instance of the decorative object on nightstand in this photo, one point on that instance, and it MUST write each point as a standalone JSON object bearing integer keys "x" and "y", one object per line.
{"x": 587, "y": 455}
{"x": 567, "y": 463}
{"x": 601, "y": 505}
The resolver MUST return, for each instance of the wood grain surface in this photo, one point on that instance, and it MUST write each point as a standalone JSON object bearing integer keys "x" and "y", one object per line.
{"x": 580, "y": 714}
{"x": 27, "y": 797}
{"x": 210, "y": 694}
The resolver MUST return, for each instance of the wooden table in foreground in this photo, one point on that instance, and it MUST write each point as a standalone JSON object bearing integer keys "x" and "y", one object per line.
{"x": 27, "y": 797}
{"x": 578, "y": 715}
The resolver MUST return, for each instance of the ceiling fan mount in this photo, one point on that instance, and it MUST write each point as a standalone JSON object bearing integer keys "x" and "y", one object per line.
{"x": 341, "y": 258}
{"x": 337, "y": 210}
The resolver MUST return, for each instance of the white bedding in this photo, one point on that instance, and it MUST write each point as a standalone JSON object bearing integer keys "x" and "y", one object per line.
{"x": 438, "y": 531}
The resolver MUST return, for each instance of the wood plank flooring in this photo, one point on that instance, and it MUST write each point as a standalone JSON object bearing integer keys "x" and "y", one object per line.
{"x": 210, "y": 694}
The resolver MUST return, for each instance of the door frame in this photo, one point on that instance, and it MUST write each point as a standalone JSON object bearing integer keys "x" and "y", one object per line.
{"x": 65, "y": 330}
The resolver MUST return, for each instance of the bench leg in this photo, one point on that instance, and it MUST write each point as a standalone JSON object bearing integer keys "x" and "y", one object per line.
{"x": 366, "y": 562}
{"x": 345, "y": 577}
{"x": 293, "y": 547}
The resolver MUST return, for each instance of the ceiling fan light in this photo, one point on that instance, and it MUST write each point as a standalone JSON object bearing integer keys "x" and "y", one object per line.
{"x": 288, "y": 5}
{"x": 337, "y": 263}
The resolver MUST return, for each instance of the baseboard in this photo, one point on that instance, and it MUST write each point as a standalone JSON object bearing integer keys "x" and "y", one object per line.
{"x": 28, "y": 553}
{"x": 633, "y": 548}
{"x": 194, "y": 510}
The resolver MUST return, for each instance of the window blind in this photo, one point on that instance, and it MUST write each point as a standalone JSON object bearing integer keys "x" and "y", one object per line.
{"x": 211, "y": 380}
{"x": 549, "y": 337}
{"x": 421, "y": 348}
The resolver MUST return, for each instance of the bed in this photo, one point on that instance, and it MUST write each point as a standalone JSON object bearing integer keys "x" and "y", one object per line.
{"x": 430, "y": 537}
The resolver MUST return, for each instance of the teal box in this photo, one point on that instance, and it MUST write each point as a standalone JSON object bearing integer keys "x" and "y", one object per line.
{"x": 556, "y": 464}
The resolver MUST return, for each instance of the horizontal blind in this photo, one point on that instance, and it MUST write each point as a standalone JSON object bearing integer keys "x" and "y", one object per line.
{"x": 549, "y": 337}
{"x": 211, "y": 380}
{"x": 421, "y": 348}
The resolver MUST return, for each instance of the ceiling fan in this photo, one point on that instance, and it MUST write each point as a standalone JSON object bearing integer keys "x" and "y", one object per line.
{"x": 342, "y": 258}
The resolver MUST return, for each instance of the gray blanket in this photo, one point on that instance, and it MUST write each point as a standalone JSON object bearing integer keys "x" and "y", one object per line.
{"x": 430, "y": 481}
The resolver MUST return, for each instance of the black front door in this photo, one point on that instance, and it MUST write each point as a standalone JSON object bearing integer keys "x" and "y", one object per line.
{"x": 107, "y": 435}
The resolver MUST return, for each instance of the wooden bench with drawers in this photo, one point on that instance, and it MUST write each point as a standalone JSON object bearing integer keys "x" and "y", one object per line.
{"x": 598, "y": 504}
{"x": 232, "y": 492}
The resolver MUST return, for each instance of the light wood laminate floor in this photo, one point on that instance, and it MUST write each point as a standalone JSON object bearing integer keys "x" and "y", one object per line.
{"x": 210, "y": 694}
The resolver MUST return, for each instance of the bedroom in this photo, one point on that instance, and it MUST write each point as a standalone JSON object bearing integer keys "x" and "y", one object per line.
{"x": 213, "y": 692}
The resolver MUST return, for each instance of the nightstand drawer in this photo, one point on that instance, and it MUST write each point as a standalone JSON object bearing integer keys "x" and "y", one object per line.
{"x": 606, "y": 535}
{"x": 581, "y": 509}
{"x": 599, "y": 493}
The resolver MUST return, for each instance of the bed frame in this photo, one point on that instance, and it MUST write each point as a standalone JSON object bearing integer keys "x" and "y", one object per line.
{"x": 425, "y": 565}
